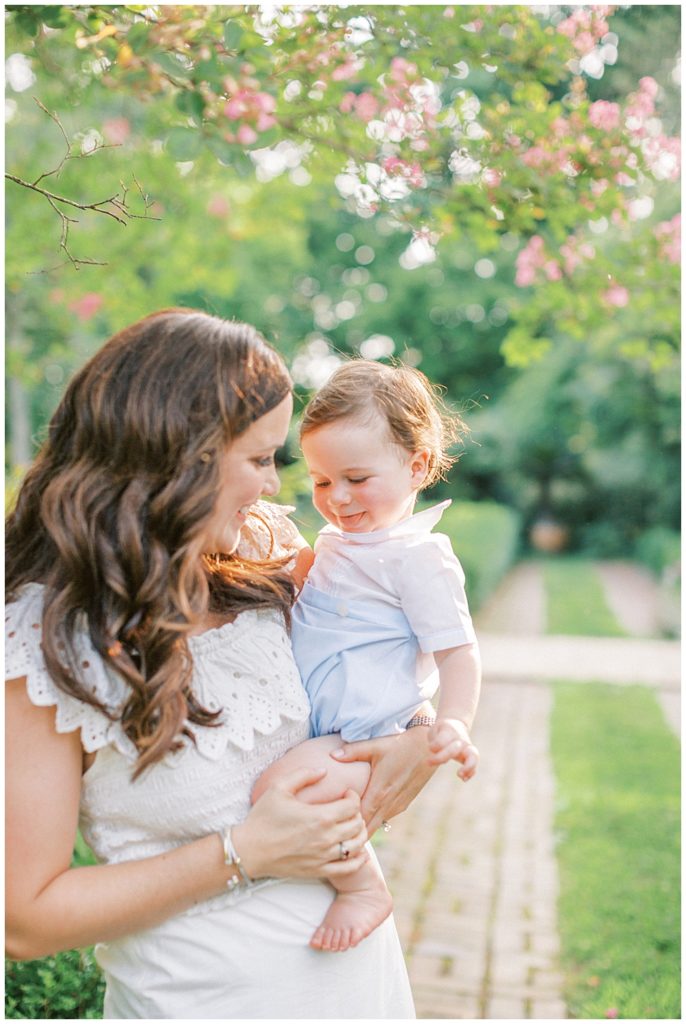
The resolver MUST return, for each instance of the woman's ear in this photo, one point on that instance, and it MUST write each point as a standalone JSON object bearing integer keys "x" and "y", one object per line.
{"x": 419, "y": 466}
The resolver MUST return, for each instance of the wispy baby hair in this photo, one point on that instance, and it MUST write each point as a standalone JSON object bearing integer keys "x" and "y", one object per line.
{"x": 411, "y": 405}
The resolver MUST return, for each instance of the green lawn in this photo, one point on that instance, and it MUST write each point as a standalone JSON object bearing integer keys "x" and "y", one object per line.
{"x": 576, "y": 603}
{"x": 617, "y": 770}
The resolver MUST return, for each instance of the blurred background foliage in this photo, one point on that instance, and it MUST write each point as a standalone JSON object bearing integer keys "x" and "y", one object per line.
{"x": 573, "y": 403}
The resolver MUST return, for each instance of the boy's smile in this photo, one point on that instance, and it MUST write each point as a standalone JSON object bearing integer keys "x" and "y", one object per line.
{"x": 363, "y": 481}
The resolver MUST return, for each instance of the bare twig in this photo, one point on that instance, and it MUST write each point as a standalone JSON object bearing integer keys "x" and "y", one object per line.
{"x": 120, "y": 212}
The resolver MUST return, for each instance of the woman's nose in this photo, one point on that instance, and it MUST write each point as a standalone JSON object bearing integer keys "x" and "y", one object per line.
{"x": 272, "y": 484}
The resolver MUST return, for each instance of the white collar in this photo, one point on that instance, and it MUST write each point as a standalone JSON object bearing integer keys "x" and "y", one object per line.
{"x": 421, "y": 522}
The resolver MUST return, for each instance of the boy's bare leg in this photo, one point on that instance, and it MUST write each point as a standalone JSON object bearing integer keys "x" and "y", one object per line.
{"x": 363, "y": 901}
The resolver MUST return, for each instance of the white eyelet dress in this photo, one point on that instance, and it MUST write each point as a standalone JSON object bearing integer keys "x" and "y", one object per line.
{"x": 243, "y": 954}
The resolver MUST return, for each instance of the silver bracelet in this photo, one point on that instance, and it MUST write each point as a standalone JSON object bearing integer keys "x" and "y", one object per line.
{"x": 240, "y": 876}
{"x": 420, "y": 720}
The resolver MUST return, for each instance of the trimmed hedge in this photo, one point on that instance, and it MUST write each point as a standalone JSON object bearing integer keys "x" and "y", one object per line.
{"x": 485, "y": 537}
{"x": 659, "y": 548}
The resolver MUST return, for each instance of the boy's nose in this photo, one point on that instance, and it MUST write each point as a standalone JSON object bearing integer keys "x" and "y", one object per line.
{"x": 340, "y": 495}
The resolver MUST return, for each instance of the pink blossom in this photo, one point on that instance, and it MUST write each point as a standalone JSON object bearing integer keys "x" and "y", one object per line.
{"x": 87, "y": 306}
{"x": 668, "y": 233}
{"x": 623, "y": 179}
{"x": 246, "y": 135}
{"x": 116, "y": 130}
{"x": 347, "y": 103}
{"x": 599, "y": 186}
{"x": 525, "y": 276}
{"x": 552, "y": 270}
{"x": 584, "y": 42}
{"x": 612, "y": 1012}
{"x": 218, "y": 206}
{"x": 617, "y": 295}
{"x": 412, "y": 173}
{"x": 402, "y": 70}
{"x": 534, "y": 156}
{"x": 348, "y": 69}
{"x": 560, "y": 126}
{"x": 491, "y": 178}
{"x": 366, "y": 106}
{"x": 649, "y": 85}
{"x": 604, "y": 115}
{"x": 254, "y": 108}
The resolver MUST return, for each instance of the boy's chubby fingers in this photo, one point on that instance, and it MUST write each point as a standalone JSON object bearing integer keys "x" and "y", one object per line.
{"x": 446, "y": 752}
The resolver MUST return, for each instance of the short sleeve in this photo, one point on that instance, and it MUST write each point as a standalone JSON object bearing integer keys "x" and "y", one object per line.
{"x": 433, "y": 597}
{"x": 24, "y": 657}
{"x": 269, "y": 532}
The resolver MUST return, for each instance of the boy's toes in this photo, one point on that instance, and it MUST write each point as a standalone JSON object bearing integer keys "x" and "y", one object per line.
{"x": 317, "y": 939}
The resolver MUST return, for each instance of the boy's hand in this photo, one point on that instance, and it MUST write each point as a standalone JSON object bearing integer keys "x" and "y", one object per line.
{"x": 449, "y": 740}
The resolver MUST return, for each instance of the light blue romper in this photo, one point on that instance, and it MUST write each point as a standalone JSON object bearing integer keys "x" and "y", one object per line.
{"x": 373, "y": 610}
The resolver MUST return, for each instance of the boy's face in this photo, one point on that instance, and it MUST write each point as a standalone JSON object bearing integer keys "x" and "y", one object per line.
{"x": 362, "y": 480}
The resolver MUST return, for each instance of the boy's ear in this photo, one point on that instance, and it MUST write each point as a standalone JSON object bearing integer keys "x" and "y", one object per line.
{"x": 419, "y": 466}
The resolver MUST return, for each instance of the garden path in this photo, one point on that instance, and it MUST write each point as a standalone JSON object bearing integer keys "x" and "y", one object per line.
{"x": 472, "y": 866}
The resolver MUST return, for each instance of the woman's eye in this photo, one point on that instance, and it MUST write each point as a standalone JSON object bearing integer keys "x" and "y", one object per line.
{"x": 321, "y": 483}
{"x": 267, "y": 460}
{"x": 357, "y": 480}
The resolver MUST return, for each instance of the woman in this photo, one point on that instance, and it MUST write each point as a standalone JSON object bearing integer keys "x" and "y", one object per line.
{"x": 151, "y": 681}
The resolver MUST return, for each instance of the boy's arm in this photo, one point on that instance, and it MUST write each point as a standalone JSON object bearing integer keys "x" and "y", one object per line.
{"x": 302, "y": 564}
{"x": 449, "y": 738}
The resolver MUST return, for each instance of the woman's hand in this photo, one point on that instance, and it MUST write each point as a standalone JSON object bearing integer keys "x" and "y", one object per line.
{"x": 399, "y": 771}
{"x": 283, "y": 837}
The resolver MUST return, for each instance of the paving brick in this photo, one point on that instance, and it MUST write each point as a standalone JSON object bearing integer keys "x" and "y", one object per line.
{"x": 505, "y": 1008}
{"x": 548, "y": 1009}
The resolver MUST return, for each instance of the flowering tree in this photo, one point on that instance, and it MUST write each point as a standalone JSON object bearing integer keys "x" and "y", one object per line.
{"x": 468, "y": 122}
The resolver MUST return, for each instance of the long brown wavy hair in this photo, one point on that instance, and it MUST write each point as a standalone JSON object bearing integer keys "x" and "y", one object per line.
{"x": 110, "y": 517}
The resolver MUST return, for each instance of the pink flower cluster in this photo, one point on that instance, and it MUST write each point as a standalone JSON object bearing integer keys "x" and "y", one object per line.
{"x": 616, "y": 295}
{"x": 87, "y": 306}
{"x": 407, "y": 110}
{"x": 533, "y": 261}
{"x": 249, "y": 105}
{"x": 585, "y": 26}
{"x": 364, "y": 105}
{"x": 412, "y": 173}
{"x": 668, "y": 233}
{"x": 641, "y": 106}
{"x": 574, "y": 252}
{"x": 604, "y": 115}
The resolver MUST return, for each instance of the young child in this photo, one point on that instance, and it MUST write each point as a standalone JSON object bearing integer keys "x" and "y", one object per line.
{"x": 382, "y": 616}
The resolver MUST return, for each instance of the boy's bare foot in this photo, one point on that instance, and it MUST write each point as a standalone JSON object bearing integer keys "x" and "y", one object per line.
{"x": 351, "y": 917}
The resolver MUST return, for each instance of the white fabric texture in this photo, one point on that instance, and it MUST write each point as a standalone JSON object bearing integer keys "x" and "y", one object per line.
{"x": 211, "y": 961}
{"x": 374, "y": 609}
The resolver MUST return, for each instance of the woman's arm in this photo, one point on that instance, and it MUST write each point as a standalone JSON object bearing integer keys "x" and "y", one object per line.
{"x": 50, "y": 906}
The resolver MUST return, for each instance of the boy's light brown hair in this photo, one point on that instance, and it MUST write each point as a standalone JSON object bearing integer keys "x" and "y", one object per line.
{"x": 411, "y": 405}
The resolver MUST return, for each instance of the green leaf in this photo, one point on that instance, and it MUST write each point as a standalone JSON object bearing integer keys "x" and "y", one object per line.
{"x": 233, "y": 34}
{"x": 172, "y": 64}
{"x": 224, "y": 151}
{"x": 183, "y": 143}
{"x": 191, "y": 103}
{"x": 137, "y": 36}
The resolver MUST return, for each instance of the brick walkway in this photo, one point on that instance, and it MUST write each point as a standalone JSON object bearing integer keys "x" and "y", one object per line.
{"x": 471, "y": 865}
{"x": 473, "y": 875}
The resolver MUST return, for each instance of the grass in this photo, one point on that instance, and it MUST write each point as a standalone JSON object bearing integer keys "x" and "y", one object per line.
{"x": 617, "y": 770}
{"x": 576, "y": 601}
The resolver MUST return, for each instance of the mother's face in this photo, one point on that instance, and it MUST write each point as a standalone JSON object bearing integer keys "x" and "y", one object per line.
{"x": 246, "y": 473}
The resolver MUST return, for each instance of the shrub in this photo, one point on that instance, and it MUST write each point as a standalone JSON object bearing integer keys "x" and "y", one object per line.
{"x": 67, "y": 986}
{"x": 659, "y": 548}
{"x": 485, "y": 537}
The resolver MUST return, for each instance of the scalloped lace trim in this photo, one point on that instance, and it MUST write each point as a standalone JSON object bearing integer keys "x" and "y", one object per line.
{"x": 245, "y": 667}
